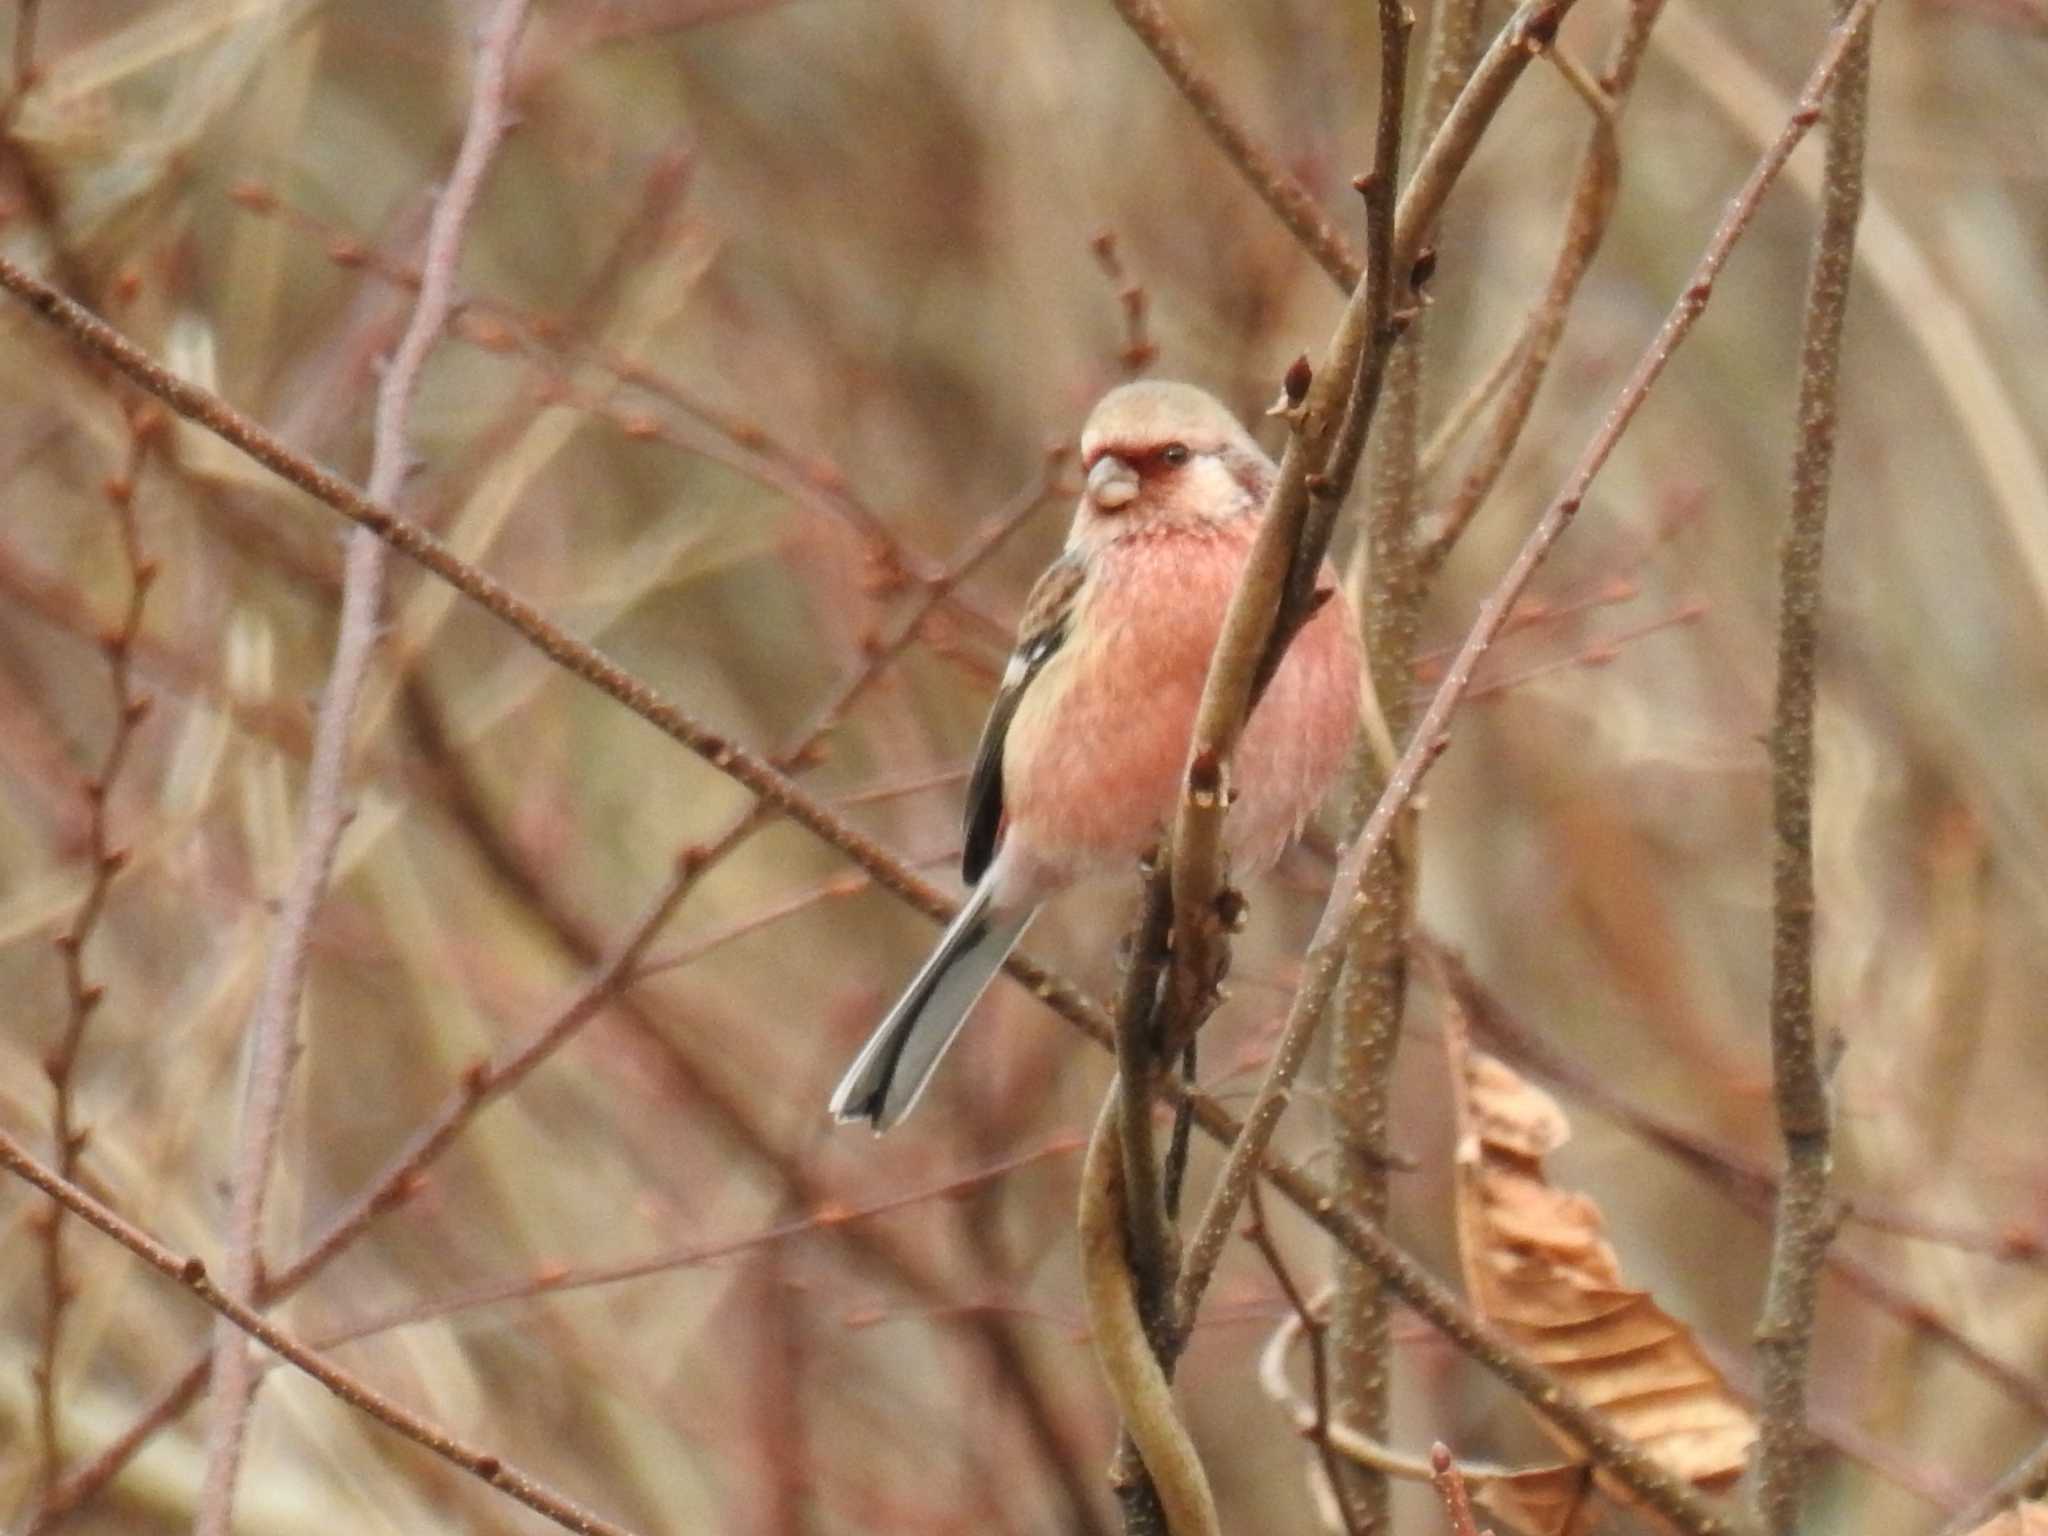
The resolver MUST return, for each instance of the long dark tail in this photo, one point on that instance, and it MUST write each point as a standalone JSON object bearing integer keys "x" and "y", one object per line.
{"x": 893, "y": 1067}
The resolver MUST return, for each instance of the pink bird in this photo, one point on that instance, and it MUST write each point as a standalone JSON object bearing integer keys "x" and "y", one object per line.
{"x": 1081, "y": 762}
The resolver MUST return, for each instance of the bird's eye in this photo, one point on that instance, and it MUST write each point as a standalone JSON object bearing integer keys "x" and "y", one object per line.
{"x": 1174, "y": 453}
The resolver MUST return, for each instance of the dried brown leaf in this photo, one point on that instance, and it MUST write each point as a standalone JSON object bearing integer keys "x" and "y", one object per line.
{"x": 1539, "y": 1268}
{"x": 1541, "y": 1501}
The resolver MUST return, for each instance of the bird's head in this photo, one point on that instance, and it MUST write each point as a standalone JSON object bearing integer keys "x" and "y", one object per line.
{"x": 1162, "y": 452}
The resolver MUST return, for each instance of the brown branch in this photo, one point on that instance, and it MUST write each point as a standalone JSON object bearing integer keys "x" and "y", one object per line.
{"x": 1260, "y": 1236}
{"x": 1806, "y": 1219}
{"x": 1389, "y": 589}
{"x": 104, "y": 861}
{"x": 1264, "y": 174}
{"x": 1594, "y": 188}
{"x": 557, "y": 1281}
{"x": 273, "y": 1023}
{"x": 1150, "y": 1254}
{"x": 190, "y": 1272}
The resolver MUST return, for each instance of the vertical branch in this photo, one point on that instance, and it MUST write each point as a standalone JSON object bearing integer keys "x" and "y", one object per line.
{"x": 1805, "y": 1220}
{"x": 1388, "y": 587}
{"x": 1138, "y": 1199}
{"x": 105, "y": 860}
{"x": 273, "y": 1021}
{"x": 1140, "y": 1061}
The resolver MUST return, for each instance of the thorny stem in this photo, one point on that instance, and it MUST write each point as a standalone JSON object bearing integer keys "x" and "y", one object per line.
{"x": 1805, "y": 1221}
{"x": 104, "y": 860}
{"x": 273, "y": 1024}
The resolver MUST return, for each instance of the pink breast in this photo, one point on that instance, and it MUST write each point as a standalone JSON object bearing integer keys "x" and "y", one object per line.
{"x": 1093, "y": 768}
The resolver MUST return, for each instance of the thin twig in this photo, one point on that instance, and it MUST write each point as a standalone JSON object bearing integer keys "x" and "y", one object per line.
{"x": 1140, "y": 1201}
{"x": 1594, "y": 189}
{"x": 190, "y": 1272}
{"x": 1260, "y": 1236}
{"x": 1139, "y": 350}
{"x": 1389, "y": 590}
{"x": 104, "y": 861}
{"x": 273, "y": 1024}
{"x": 1281, "y": 192}
{"x": 1805, "y": 1219}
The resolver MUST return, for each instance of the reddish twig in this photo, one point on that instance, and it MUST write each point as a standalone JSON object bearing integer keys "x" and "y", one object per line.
{"x": 1139, "y": 352}
{"x": 104, "y": 861}
{"x": 557, "y": 1280}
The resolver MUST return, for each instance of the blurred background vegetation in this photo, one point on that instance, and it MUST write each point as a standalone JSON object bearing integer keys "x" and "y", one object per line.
{"x": 769, "y": 309}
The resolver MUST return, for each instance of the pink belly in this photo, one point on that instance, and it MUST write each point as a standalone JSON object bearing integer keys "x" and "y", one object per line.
{"x": 1092, "y": 772}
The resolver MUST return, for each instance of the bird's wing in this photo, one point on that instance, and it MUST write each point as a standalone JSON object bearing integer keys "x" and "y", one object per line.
{"x": 1048, "y": 613}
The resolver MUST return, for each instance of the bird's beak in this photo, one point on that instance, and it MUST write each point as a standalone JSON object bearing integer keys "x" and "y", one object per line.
{"x": 1112, "y": 483}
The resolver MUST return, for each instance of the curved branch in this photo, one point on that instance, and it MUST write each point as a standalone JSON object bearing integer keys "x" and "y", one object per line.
{"x": 1136, "y": 1380}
